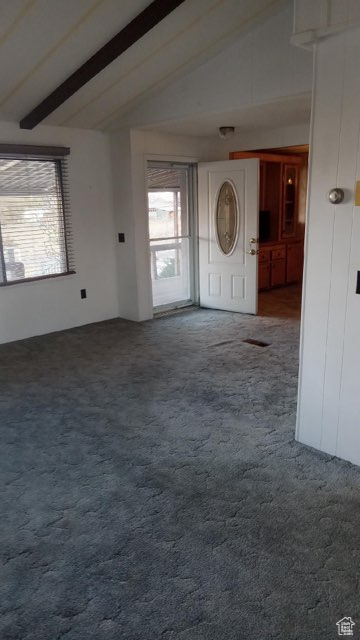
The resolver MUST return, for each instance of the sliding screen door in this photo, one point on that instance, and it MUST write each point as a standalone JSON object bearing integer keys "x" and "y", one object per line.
{"x": 169, "y": 233}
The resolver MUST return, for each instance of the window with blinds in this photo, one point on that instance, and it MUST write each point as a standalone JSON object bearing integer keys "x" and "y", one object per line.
{"x": 35, "y": 232}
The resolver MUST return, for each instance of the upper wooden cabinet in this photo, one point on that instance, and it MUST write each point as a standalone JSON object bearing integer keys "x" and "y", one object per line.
{"x": 290, "y": 179}
{"x": 279, "y": 194}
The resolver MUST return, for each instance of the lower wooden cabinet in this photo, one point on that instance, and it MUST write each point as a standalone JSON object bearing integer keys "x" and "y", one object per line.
{"x": 294, "y": 264}
{"x": 264, "y": 275}
{"x": 280, "y": 264}
{"x": 278, "y": 273}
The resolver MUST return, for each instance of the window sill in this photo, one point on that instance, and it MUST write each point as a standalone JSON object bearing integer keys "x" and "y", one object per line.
{"x": 55, "y": 276}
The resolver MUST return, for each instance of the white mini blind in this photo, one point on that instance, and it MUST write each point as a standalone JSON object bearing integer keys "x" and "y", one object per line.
{"x": 35, "y": 226}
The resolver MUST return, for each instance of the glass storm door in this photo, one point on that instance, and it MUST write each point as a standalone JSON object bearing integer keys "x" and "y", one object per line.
{"x": 228, "y": 234}
{"x": 171, "y": 253}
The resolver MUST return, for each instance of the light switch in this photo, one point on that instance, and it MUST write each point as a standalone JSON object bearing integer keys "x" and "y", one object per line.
{"x": 357, "y": 193}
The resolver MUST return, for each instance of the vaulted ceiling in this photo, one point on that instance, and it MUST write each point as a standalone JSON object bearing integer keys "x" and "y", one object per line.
{"x": 43, "y": 41}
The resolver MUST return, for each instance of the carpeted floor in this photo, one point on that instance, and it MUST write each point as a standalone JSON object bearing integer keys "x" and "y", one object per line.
{"x": 152, "y": 488}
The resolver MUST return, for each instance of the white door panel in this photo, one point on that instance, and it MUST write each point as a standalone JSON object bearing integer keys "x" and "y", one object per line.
{"x": 228, "y": 281}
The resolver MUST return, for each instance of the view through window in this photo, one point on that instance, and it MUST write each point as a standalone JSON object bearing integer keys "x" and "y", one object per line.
{"x": 34, "y": 234}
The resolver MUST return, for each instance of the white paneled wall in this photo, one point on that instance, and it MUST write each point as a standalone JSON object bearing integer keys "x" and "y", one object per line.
{"x": 329, "y": 394}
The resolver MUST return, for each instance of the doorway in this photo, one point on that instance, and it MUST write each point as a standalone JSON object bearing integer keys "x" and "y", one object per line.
{"x": 282, "y": 217}
{"x": 171, "y": 234}
{"x": 263, "y": 258}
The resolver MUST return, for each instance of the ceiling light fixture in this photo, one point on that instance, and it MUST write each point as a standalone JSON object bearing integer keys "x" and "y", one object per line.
{"x": 226, "y": 132}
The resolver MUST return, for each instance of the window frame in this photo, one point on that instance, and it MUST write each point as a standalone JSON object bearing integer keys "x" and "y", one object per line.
{"x": 56, "y": 155}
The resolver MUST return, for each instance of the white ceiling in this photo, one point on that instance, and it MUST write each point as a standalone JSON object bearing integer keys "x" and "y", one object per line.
{"x": 43, "y": 41}
{"x": 282, "y": 113}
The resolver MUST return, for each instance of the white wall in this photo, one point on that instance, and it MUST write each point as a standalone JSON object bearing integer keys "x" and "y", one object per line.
{"x": 260, "y": 67}
{"x": 124, "y": 220}
{"x": 130, "y": 151}
{"x": 329, "y": 398}
{"x": 116, "y": 276}
{"x": 43, "y": 306}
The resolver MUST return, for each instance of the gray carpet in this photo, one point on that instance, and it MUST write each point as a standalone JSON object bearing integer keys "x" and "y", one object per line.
{"x": 152, "y": 489}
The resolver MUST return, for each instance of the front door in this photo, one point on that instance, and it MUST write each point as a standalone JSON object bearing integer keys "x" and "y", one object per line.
{"x": 228, "y": 234}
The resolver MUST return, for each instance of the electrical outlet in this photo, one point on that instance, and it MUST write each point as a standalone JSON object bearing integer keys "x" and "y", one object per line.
{"x": 83, "y": 294}
{"x": 121, "y": 237}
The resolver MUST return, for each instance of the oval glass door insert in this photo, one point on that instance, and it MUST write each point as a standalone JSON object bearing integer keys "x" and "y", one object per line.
{"x": 226, "y": 218}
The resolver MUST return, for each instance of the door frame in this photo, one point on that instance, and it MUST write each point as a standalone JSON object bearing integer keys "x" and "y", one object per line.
{"x": 192, "y": 163}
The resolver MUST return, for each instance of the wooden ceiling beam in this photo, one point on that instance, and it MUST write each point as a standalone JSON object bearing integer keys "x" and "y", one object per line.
{"x": 129, "y": 35}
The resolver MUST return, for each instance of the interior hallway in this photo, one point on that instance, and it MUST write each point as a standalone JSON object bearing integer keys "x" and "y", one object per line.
{"x": 153, "y": 488}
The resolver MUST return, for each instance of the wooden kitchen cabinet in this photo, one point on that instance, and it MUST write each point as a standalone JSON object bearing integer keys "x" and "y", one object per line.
{"x": 272, "y": 266}
{"x": 280, "y": 264}
{"x": 294, "y": 264}
{"x": 279, "y": 193}
{"x": 264, "y": 269}
{"x": 280, "y": 232}
{"x": 264, "y": 275}
{"x": 290, "y": 179}
{"x": 278, "y": 273}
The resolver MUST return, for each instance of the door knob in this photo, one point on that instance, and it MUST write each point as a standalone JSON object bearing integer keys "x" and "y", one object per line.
{"x": 336, "y": 195}
{"x": 252, "y": 252}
